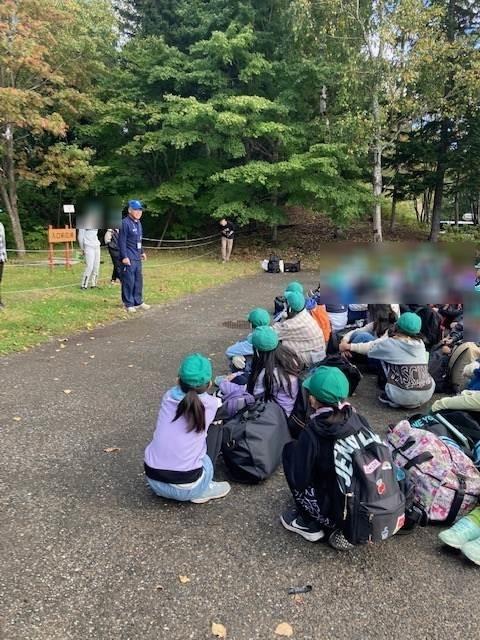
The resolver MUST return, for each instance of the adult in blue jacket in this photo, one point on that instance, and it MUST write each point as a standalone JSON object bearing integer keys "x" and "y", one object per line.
{"x": 131, "y": 256}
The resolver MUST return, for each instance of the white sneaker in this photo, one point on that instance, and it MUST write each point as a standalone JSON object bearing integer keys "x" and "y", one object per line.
{"x": 215, "y": 490}
{"x": 144, "y": 306}
{"x": 130, "y": 309}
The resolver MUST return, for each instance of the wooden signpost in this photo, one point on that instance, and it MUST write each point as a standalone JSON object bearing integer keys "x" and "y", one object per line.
{"x": 67, "y": 236}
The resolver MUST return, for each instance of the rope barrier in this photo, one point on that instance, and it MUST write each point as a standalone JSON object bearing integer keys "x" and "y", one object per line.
{"x": 76, "y": 284}
{"x": 214, "y": 235}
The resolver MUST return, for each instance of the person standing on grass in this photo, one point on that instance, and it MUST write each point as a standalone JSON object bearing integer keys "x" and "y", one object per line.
{"x": 227, "y": 231}
{"x": 3, "y": 259}
{"x": 111, "y": 242}
{"x": 90, "y": 247}
{"x": 131, "y": 257}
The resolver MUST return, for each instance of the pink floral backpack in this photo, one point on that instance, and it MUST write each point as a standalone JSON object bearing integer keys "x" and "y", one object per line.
{"x": 445, "y": 482}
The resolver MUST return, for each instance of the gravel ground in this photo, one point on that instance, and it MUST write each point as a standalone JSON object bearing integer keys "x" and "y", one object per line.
{"x": 89, "y": 552}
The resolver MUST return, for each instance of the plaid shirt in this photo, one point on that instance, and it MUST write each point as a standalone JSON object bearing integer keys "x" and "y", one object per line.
{"x": 3, "y": 247}
{"x": 303, "y": 336}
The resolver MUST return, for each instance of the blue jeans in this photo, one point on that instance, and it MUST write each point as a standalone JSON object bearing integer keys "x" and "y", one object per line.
{"x": 176, "y": 492}
{"x": 132, "y": 284}
{"x": 362, "y": 336}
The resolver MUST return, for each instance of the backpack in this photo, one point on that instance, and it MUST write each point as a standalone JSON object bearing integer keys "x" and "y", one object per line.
{"x": 431, "y": 326}
{"x": 446, "y": 482}
{"x": 320, "y": 315}
{"x": 273, "y": 264}
{"x": 253, "y": 441}
{"x": 292, "y": 267}
{"x": 343, "y": 363}
{"x": 374, "y": 504}
{"x": 455, "y": 426}
{"x": 438, "y": 369}
{"x": 301, "y": 411}
{"x": 280, "y": 304}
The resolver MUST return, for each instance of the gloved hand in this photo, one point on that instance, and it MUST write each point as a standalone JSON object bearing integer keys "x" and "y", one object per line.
{"x": 239, "y": 362}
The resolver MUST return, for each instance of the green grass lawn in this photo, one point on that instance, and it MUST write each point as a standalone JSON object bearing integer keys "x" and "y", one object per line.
{"x": 32, "y": 317}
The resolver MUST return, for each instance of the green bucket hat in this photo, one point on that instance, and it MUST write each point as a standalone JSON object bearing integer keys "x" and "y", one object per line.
{"x": 295, "y": 300}
{"x": 195, "y": 370}
{"x": 265, "y": 339}
{"x": 295, "y": 286}
{"x": 259, "y": 317}
{"x": 328, "y": 384}
{"x": 409, "y": 323}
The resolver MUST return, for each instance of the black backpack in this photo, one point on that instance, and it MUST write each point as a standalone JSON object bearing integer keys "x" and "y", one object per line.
{"x": 373, "y": 502}
{"x": 431, "y": 326}
{"x": 253, "y": 442}
{"x": 301, "y": 411}
{"x": 438, "y": 369}
{"x": 292, "y": 267}
{"x": 343, "y": 363}
{"x": 280, "y": 304}
{"x": 273, "y": 265}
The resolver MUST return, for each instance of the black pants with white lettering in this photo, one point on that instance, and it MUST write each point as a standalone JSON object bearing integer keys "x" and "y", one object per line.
{"x": 306, "y": 499}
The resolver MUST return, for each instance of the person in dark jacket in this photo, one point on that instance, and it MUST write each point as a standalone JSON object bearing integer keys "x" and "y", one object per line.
{"x": 309, "y": 462}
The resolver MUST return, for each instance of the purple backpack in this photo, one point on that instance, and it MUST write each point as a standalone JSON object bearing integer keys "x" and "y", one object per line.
{"x": 445, "y": 482}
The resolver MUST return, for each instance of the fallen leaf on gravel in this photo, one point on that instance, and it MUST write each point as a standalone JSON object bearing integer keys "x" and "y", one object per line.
{"x": 62, "y": 346}
{"x": 67, "y": 391}
{"x": 17, "y": 418}
{"x": 218, "y": 630}
{"x": 184, "y": 579}
{"x": 284, "y": 629}
{"x": 298, "y": 599}
{"x": 112, "y": 449}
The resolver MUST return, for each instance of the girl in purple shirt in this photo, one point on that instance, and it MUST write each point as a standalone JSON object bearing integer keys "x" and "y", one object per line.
{"x": 179, "y": 461}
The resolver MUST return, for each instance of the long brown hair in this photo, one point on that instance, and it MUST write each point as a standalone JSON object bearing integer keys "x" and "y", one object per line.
{"x": 192, "y": 408}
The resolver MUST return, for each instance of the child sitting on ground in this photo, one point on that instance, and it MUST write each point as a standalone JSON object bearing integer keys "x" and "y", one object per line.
{"x": 179, "y": 461}
{"x": 240, "y": 354}
{"x": 309, "y": 464}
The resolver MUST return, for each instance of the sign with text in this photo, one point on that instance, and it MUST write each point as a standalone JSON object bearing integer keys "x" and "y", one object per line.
{"x": 61, "y": 235}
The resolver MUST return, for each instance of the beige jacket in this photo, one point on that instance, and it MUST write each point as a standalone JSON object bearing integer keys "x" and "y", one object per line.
{"x": 466, "y": 401}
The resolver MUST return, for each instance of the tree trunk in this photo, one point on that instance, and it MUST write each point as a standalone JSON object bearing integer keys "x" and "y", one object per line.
{"x": 274, "y": 232}
{"x": 167, "y": 224}
{"x": 8, "y": 190}
{"x": 439, "y": 181}
{"x": 377, "y": 172}
{"x": 444, "y": 138}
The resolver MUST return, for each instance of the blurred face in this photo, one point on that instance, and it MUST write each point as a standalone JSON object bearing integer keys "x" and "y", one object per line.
{"x": 223, "y": 222}
{"x": 136, "y": 214}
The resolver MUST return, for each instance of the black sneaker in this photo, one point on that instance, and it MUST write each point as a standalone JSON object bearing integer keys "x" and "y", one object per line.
{"x": 308, "y": 529}
{"x": 384, "y": 399}
{"x": 338, "y": 541}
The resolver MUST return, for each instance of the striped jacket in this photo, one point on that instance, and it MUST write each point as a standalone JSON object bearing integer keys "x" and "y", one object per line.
{"x": 302, "y": 335}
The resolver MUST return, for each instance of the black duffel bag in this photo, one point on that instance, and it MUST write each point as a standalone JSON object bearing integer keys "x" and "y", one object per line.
{"x": 253, "y": 442}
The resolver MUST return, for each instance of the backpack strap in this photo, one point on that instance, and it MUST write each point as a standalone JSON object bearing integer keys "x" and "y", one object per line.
{"x": 457, "y": 501}
{"x": 420, "y": 459}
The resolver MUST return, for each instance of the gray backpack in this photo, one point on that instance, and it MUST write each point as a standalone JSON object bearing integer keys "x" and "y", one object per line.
{"x": 253, "y": 441}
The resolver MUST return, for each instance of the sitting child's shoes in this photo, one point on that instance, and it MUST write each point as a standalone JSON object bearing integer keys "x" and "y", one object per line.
{"x": 462, "y": 532}
{"x": 471, "y": 550}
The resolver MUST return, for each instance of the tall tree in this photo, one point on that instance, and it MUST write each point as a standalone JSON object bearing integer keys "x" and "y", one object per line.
{"x": 50, "y": 55}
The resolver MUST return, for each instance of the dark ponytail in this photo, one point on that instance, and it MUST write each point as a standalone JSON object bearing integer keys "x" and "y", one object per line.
{"x": 191, "y": 407}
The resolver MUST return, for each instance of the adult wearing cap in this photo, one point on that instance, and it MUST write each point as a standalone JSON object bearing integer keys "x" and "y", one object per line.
{"x": 275, "y": 370}
{"x": 309, "y": 463}
{"x": 300, "y": 332}
{"x": 240, "y": 354}
{"x": 131, "y": 257}
{"x": 179, "y": 461}
{"x": 404, "y": 359}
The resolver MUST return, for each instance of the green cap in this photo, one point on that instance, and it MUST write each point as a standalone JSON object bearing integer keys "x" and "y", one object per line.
{"x": 265, "y": 339}
{"x": 295, "y": 300}
{"x": 295, "y": 286}
{"x": 195, "y": 370}
{"x": 259, "y": 317}
{"x": 328, "y": 384}
{"x": 409, "y": 323}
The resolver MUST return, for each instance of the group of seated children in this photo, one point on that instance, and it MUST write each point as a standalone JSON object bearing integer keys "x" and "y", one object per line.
{"x": 270, "y": 364}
